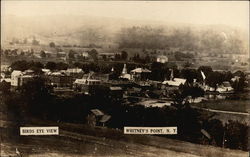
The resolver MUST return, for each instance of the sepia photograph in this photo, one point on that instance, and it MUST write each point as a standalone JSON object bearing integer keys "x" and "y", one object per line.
{"x": 124, "y": 78}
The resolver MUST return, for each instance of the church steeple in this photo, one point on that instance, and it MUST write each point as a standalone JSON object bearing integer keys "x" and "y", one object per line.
{"x": 124, "y": 70}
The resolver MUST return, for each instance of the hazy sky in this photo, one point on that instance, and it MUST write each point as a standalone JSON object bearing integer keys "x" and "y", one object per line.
{"x": 230, "y": 13}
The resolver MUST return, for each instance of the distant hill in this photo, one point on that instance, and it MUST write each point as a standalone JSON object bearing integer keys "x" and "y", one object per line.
{"x": 84, "y": 30}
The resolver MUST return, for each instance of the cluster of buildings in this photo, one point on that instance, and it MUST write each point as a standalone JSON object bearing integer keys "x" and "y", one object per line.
{"x": 132, "y": 85}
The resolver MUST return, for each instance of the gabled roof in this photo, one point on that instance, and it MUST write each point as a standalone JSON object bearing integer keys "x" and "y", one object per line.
{"x": 6, "y": 80}
{"x": 162, "y": 57}
{"x": 47, "y": 52}
{"x": 83, "y": 81}
{"x": 28, "y": 71}
{"x": 175, "y": 82}
{"x": 105, "y": 118}
{"x": 140, "y": 70}
{"x": 16, "y": 73}
{"x": 62, "y": 52}
{"x": 97, "y": 112}
{"x": 115, "y": 88}
{"x": 126, "y": 76}
{"x": 57, "y": 73}
{"x": 46, "y": 70}
{"x": 74, "y": 70}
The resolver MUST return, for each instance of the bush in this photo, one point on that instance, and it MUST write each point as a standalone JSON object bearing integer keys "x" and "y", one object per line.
{"x": 236, "y": 136}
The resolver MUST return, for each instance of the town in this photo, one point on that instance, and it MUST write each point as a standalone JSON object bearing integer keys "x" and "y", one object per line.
{"x": 107, "y": 83}
{"x": 117, "y": 78}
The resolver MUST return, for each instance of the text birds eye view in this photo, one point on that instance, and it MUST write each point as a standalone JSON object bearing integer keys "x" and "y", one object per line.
{"x": 124, "y": 78}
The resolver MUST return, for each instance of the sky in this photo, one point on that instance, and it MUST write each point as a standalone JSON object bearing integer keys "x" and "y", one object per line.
{"x": 231, "y": 13}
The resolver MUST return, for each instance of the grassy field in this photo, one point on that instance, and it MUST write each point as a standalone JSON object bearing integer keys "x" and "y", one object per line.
{"x": 85, "y": 141}
{"x": 81, "y": 140}
{"x": 226, "y": 105}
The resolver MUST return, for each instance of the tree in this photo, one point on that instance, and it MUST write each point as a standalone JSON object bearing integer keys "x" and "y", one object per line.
{"x": 124, "y": 55}
{"x": 117, "y": 57}
{"x": 61, "y": 66}
{"x": 194, "y": 92}
{"x": 51, "y": 65}
{"x": 239, "y": 84}
{"x": 22, "y": 53}
{"x": 215, "y": 129}
{"x": 187, "y": 65}
{"x": 236, "y": 135}
{"x": 42, "y": 54}
{"x": 36, "y": 66}
{"x": 36, "y": 96}
{"x": 35, "y": 42}
{"x": 20, "y": 65}
{"x": 52, "y": 44}
{"x": 147, "y": 59}
{"x": 214, "y": 79}
{"x": 206, "y": 69}
{"x": 5, "y": 87}
{"x": 189, "y": 74}
{"x": 71, "y": 54}
{"x": 136, "y": 58}
{"x": 159, "y": 71}
{"x": 94, "y": 54}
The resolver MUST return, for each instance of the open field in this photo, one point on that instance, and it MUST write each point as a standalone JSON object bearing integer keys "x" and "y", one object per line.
{"x": 106, "y": 142}
{"x": 225, "y": 110}
{"x": 81, "y": 140}
{"x": 226, "y": 105}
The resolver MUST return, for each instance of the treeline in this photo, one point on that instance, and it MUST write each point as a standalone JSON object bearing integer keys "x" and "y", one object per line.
{"x": 183, "y": 38}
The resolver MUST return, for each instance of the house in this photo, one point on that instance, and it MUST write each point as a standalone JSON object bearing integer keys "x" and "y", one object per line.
{"x": 116, "y": 92}
{"x": 16, "y": 78}
{"x": 107, "y": 56}
{"x": 59, "y": 80}
{"x": 28, "y": 72}
{"x": 48, "y": 54}
{"x": 225, "y": 88}
{"x": 176, "y": 82}
{"x": 140, "y": 74}
{"x": 46, "y": 71}
{"x": 19, "y": 78}
{"x": 5, "y": 68}
{"x": 62, "y": 55}
{"x": 97, "y": 118}
{"x": 85, "y": 85}
{"x": 8, "y": 80}
{"x": 162, "y": 59}
{"x": 75, "y": 72}
{"x": 26, "y": 78}
{"x": 84, "y": 54}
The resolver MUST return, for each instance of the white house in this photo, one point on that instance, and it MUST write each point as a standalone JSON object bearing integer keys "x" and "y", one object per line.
{"x": 175, "y": 82}
{"x": 139, "y": 74}
{"x": 74, "y": 70}
{"x": 162, "y": 59}
{"x": 16, "y": 78}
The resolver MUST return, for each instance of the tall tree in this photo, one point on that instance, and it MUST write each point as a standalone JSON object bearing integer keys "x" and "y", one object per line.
{"x": 52, "y": 44}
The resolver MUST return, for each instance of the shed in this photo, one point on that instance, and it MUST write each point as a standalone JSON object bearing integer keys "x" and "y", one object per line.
{"x": 97, "y": 118}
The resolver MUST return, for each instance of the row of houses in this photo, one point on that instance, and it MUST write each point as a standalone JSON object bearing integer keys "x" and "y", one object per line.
{"x": 77, "y": 80}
